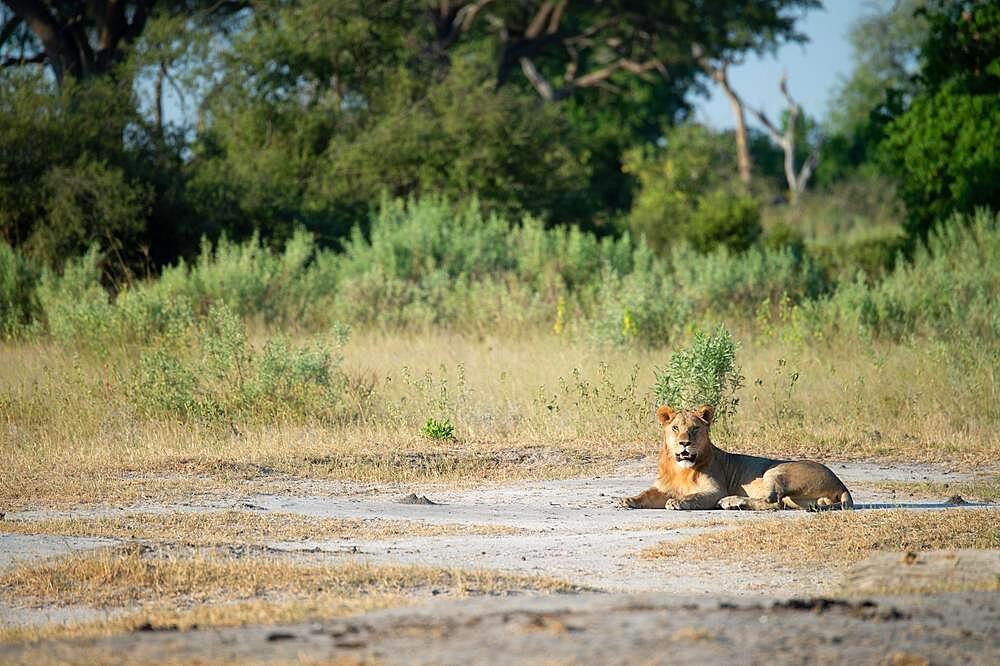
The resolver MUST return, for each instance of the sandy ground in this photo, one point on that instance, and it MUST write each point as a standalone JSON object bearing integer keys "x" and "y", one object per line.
{"x": 569, "y": 529}
{"x": 588, "y": 629}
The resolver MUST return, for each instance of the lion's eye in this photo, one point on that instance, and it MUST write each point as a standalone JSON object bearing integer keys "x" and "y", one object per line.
{"x": 675, "y": 428}
{"x": 694, "y": 430}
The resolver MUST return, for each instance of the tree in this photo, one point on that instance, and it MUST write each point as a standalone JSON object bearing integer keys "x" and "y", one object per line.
{"x": 562, "y": 47}
{"x": 788, "y": 139}
{"x": 885, "y": 47}
{"x": 86, "y": 38}
{"x": 945, "y": 147}
{"x": 625, "y": 64}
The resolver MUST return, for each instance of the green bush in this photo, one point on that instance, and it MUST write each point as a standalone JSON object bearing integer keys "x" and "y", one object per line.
{"x": 705, "y": 372}
{"x": 640, "y": 307}
{"x": 17, "y": 292}
{"x": 723, "y": 283}
{"x": 951, "y": 285}
{"x": 684, "y": 194}
{"x": 74, "y": 305}
{"x": 217, "y": 375}
{"x": 782, "y": 235}
{"x": 435, "y": 429}
{"x": 428, "y": 264}
{"x": 91, "y": 203}
{"x": 724, "y": 218}
{"x": 874, "y": 252}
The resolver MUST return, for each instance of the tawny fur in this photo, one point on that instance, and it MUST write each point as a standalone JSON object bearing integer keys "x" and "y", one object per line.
{"x": 695, "y": 474}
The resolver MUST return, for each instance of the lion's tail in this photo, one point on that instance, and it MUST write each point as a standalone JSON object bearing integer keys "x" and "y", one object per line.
{"x": 846, "y": 501}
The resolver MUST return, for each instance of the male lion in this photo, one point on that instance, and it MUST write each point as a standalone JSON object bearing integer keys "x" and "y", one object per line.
{"x": 694, "y": 474}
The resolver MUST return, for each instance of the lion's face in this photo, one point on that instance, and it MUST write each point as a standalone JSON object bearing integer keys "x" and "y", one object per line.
{"x": 685, "y": 433}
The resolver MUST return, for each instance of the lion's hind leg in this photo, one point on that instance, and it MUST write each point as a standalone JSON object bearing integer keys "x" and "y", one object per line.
{"x": 822, "y": 503}
{"x": 763, "y": 494}
{"x": 738, "y": 503}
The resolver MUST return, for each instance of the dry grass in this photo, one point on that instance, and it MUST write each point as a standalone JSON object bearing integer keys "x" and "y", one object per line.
{"x": 666, "y": 525}
{"x": 530, "y": 407}
{"x": 985, "y": 489}
{"x": 839, "y": 539}
{"x": 207, "y": 588}
{"x": 210, "y": 528}
{"x": 164, "y": 617}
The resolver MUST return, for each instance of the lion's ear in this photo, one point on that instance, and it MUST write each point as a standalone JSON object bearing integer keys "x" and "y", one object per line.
{"x": 665, "y": 415}
{"x": 706, "y": 413}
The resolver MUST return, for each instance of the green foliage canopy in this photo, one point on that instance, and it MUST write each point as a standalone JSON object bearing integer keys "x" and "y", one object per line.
{"x": 945, "y": 147}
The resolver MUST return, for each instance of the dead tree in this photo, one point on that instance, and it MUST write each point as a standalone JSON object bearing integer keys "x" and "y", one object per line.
{"x": 796, "y": 179}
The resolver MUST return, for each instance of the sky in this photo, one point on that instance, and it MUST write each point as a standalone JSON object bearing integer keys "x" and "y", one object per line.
{"x": 813, "y": 68}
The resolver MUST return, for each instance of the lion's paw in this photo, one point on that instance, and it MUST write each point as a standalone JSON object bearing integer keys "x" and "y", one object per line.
{"x": 733, "y": 502}
{"x": 628, "y": 502}
{"x": 674, "y": 505}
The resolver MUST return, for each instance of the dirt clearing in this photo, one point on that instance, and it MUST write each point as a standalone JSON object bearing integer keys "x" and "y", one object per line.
{"x": 568, "y": 534}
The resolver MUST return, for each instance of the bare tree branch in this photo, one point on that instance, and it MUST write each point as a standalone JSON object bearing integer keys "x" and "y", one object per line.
{"x": 805, "y": 173}
{"x": 597, "y": 78}
{"x": 539, "y": 82}
{"x": 38, "y": 58}
{"x": 467, "y": 14}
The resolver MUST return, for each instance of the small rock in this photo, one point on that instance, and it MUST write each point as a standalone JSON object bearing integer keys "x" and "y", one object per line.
{"x": 413, "y": 498}
{"x": 955, "y": 500}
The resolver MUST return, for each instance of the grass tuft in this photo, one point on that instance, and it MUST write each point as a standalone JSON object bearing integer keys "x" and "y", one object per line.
{"x": 841, "y": 538}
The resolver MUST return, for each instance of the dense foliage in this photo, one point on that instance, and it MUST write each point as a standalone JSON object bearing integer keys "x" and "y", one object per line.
{"x": 946, "y": 145}
{"x": 174, "y": 120}
{"x": 477, "y": 167}
{"x": 427, "y": 264}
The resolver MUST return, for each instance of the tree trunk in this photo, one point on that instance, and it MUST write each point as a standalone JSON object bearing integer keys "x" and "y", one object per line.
{"x": 742, "y": 148}
{"x": 720, "y": 75}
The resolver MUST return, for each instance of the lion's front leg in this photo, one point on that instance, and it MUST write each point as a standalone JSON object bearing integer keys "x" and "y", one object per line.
{"x": 648, "y": 499}
{"x": 696, "y": 502}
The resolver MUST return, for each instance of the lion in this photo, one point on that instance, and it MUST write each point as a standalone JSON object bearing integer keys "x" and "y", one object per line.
{"x": 695, "y": 474}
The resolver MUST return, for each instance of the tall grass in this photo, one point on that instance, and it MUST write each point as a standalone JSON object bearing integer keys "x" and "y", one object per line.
{"x": 536, "y": 347}
{"x": 425, "y": 265}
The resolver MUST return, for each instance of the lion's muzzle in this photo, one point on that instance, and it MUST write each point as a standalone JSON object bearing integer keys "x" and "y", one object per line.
{"x": 685, "y": 458}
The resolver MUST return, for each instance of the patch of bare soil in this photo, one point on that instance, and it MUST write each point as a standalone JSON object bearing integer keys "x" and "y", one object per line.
{"x": 587, "y": 628}
{"x": 573, "y": 530}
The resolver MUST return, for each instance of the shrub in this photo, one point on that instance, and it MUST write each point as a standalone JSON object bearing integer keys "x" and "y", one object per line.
{"x": 724, "y": 218}
{"x": 873, "y": 252}
{"x": 723, "y": 283}
{"x": 434, "y": 429}
{"x": 92, "y": 203}
{"x": 781, "y": 235}
{"x": 217, "y": 375}
{"x": 639, "y": 307}
{"x": 73, "y": 304}
{"x": 683, "y": 193}
{"x": 703, "y": 373}
{"x": 951, "y": 285}
{"x": 17, "y": 297}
